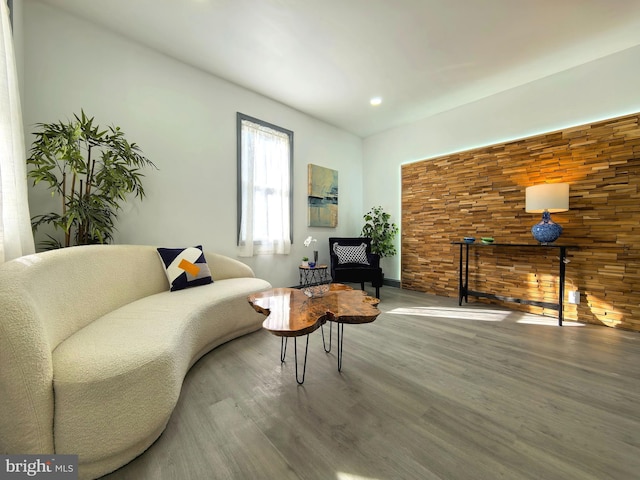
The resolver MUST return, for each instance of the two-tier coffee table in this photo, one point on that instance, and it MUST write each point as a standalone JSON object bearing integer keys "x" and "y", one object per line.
{"x": 290, "y": 313}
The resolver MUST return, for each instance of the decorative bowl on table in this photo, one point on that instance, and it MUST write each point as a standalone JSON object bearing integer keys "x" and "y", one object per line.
{"x": 313, "y": 291}
{"x": 487, "y": 240}
{"x": 318, "y": 285}
{"x": 469, "y": 239}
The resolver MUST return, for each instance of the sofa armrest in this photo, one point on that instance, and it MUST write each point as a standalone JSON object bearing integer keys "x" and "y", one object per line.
{"x": 223, "y": 267}
{"x": 26, "y": 373}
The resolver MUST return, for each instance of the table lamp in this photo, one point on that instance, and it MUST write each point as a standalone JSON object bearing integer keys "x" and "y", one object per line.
{"x": 547, "y": 198}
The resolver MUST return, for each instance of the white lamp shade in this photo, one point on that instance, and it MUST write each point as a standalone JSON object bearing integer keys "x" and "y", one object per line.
{"x": 552, "y": 197}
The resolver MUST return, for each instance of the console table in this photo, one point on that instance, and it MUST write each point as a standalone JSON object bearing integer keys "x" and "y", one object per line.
{"x": 463, "y": 278}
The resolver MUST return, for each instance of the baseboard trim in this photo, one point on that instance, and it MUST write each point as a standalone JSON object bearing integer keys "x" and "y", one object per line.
{"x": 392, "y": 283}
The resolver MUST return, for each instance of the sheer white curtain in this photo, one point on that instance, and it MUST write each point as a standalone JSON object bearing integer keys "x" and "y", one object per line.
{"x": 16, "y": 238}
{"x": 265, "y": 191}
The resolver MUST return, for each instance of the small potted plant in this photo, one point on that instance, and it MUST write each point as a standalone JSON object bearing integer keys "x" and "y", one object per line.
{"x": 307, "y": 243}
{"x": 305, "y": 261}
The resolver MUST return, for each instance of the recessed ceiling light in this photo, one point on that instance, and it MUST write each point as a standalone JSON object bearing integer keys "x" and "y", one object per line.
{"x": 375, "y": 101}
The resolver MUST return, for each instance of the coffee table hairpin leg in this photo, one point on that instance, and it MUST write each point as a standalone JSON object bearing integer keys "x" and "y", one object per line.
{"x": 340, "y": 341}
{"x": 324, "y": 345}
{"x": 283, "y": 348}
{"x": 283, "y": 353}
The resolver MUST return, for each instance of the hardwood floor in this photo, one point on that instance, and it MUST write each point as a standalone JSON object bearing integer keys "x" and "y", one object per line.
{"x": 428, "y": 391}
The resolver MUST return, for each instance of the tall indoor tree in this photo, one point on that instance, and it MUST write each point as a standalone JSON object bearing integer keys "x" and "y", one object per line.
{"x": 381, "y": 232}
{"x": 92, "y": 171}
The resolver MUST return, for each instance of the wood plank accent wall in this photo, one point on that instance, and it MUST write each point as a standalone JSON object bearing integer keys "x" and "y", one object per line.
{"x": 482, "y": 193}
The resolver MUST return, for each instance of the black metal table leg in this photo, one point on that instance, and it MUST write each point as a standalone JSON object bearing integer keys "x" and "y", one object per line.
{"x": 304, "y": 368}
{"x": 561, "y": 286}
{"x": 463, "y": 282}
{"x": 283, "y": 354}
{"x": 460, "y": 279}
{"x": 340, "y": 341}
{"x": 283, "y": 348}
{"x": 466, "y": 275}
{"x": 324, "y": 345}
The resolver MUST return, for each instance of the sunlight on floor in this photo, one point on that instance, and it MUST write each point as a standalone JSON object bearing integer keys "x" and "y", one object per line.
{"x": 470, "y": 314}
{"x": 540, "y": 320}
{"x": 348, "y": 476}
{"x": 482, "y": 315}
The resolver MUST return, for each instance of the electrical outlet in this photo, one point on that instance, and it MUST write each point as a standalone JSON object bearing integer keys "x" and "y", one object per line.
{"x": 574, "y": 297}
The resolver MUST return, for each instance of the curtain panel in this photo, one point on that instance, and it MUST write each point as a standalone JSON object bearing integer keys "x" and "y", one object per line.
{"x": 16, "y": 237}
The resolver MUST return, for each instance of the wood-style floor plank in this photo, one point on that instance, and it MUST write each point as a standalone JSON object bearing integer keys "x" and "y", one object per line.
{"x": 429, "y": 391}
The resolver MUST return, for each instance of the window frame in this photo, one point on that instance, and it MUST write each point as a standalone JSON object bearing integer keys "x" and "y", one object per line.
{"x": 10, "y": 5}
{"x": 239, "y": 118}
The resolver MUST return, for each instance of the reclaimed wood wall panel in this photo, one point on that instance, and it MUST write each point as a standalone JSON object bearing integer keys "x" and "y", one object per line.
{"x": 482, "y": 193}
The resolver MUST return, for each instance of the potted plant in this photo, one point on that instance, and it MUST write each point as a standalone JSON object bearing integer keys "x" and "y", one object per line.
{"x": 380, "y": 231}
{"x": 307, "y": 243}
{"x": 305, "y": 261}
{"x": 92, "y": 171}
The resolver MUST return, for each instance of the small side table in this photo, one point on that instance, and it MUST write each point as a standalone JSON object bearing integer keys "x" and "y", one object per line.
{"x": 312, "y": 276}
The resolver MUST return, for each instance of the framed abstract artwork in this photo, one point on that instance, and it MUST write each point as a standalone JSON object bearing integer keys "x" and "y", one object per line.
{"x": 322, "y": 196}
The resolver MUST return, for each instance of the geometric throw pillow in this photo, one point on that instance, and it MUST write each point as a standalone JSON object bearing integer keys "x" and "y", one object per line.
{"x": 351, "y": 253}
{"x": 185, "y": 267}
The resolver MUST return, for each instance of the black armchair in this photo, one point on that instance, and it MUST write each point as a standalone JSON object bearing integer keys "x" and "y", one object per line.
{"x": 352, "y": 261}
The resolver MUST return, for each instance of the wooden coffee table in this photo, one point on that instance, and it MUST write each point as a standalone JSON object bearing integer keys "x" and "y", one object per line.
{"x": 290, "y": 313}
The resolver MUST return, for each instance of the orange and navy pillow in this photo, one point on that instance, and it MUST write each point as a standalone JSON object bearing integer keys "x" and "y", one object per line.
{"x": 185, "y": 267}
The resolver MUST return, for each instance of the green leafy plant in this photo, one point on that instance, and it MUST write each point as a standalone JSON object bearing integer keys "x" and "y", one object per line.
{"x": 381, "y": 232}
{"x": 92, "y": 171}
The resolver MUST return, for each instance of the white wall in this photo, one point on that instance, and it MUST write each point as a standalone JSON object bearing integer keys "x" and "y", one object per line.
{"x": 185, "y": 122}
{"x": 605, "y": 88}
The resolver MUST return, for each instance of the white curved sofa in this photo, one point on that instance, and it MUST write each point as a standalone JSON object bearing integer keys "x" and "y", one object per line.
{"x": 94, "y": 347}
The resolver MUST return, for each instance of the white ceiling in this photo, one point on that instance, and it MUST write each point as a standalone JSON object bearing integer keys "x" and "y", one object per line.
{"x": 327, "y": 58}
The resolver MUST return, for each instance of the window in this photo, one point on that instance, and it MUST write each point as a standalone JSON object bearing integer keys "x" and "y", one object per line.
{"x": 265, "y": 172}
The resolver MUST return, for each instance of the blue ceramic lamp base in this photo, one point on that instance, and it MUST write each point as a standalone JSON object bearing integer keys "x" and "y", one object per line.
{"x": 546, "y": 231}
